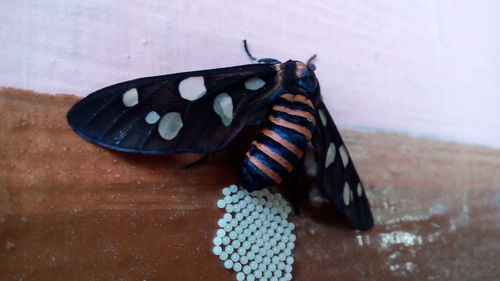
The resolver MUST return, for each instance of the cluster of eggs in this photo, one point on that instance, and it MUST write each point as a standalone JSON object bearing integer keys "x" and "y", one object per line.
{"x": 255, "y": 239}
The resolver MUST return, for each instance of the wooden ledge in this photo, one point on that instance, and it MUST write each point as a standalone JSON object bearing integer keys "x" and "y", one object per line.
{"x": 70, "y": 210}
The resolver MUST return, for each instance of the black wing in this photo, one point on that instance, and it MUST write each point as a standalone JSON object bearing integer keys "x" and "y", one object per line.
{"x": 336, "y": 174}
{"x": 199, "y": 111}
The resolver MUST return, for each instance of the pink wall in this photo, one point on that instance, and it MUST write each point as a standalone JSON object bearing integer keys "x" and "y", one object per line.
{"x": 423, "y": 68}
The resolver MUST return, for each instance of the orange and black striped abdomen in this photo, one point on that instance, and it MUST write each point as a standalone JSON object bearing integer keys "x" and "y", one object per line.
{"x": 279, "y": 146}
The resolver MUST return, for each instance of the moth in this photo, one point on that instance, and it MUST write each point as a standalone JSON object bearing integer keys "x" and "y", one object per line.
{"x": 203, "y": 111}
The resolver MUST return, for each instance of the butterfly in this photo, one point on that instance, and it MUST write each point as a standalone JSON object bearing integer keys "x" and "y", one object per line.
{"x": 203, "y": 111}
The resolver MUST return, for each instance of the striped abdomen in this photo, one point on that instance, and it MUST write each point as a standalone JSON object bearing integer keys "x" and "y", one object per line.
{"x": 279, "y": 146}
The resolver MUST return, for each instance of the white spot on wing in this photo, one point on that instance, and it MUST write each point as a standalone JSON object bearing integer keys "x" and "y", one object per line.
{"x": 192, "y": 88}
{"x": 152, "y": 117}
{"x": 223, "y": 106}
{"x": 170, "y": 125}
{"x": 254, "y": 83}
{"x": 130, "y": 97}
{"x": 347, "y": 194}
{"x": 344, "y": 155}
{"x": 322, "y": 116}
{"x": 330, "y": 155}
{"x": 360, "y": 190}
{"x": 310, "y": 164}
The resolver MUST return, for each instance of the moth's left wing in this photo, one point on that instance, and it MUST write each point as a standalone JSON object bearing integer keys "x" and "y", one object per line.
{"x": 336, "y": 174}
{"x": 200, "y": 111}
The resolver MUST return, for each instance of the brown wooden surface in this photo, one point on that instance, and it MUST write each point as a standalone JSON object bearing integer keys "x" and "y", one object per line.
{"x": 70, "y": 210}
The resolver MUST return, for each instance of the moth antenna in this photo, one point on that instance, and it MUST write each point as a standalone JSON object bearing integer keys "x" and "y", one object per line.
{"x": 252, "y": 58}
{"x": 310, "y": 64}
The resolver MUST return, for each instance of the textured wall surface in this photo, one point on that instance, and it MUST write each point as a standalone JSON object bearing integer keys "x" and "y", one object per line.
{"x": 424, "y": 68}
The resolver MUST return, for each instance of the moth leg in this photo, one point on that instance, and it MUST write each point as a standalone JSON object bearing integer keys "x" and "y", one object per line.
{"x": 199, "y": 161}
{"x": 294, "y": 181}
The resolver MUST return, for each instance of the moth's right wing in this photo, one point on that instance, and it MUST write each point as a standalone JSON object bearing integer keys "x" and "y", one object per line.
{"x": 336, "y": 175}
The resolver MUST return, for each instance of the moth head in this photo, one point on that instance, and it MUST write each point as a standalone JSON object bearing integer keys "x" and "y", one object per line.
{"x": 305, "y": 77}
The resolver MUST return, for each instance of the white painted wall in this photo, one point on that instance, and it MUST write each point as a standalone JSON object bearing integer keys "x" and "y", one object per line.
{"x": 424, "y": 68}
